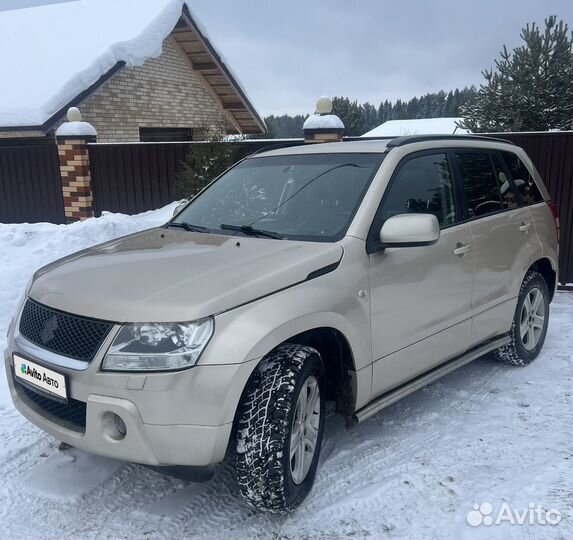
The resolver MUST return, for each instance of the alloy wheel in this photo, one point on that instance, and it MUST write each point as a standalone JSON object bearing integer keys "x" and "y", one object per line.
{"x": 304, "y": 432}
{"x": 532, "y": 320}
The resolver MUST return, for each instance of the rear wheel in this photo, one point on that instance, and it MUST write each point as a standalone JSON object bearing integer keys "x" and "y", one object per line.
{"x": 530, "y": 322}
{"x": 279, "y": 429}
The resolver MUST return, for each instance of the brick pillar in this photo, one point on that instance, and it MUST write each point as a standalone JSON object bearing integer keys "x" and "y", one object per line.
{"x": 72, "y": 139}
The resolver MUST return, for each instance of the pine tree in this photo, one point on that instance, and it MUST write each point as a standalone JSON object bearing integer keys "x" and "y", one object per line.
{"x": 531, "y": 88}
{"x": 370, "y": 116}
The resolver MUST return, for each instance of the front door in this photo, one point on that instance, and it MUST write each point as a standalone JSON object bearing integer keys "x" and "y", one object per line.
{"x": 420, "y": 296}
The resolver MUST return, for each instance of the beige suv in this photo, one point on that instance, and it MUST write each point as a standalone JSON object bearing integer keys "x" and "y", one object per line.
{"x": 351, "y": 272}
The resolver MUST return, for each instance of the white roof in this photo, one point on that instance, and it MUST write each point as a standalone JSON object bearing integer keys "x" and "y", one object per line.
{"x": 52, "y": 53}
{"x": 421, "y": 126}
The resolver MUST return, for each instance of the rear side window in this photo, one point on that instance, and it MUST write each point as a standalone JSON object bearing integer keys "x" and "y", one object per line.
{"x": 481, "y": 183}
{"x": 508, "y": 193}
{"x": 423, "y": 185}
{"x": 522, "y": 179}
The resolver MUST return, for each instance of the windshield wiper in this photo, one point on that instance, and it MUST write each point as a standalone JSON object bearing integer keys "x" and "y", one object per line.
{"x": 247, "y": 229}
{"x": 189, "y": 226}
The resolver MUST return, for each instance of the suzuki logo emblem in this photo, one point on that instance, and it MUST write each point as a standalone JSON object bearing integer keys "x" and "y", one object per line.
{"x": 50, "y": 327}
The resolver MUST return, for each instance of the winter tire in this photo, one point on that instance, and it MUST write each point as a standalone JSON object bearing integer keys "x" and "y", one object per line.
{"x": 279, "y": 429}
{"x": 530, "y": 321}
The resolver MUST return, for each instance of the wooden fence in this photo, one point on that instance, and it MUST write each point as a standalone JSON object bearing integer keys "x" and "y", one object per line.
{"x": 30, "y": 187}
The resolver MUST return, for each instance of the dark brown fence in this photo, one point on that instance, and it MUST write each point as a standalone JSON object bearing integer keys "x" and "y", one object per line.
{"x": 133, "y": 178}
{"x": 30, "y": 188}
{"x": 552, "y": 154}
{"x": 136, "y": 177}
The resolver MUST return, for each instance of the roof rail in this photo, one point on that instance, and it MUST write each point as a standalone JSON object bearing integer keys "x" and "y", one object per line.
{"x": 409, "y": 139}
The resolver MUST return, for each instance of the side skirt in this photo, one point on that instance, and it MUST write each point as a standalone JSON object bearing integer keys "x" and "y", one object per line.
{"x": 395, "y": 395}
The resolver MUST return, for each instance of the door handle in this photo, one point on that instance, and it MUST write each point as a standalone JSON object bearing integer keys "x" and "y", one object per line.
{"x": 524, "y": 227}
{"x": 462, "y": 249}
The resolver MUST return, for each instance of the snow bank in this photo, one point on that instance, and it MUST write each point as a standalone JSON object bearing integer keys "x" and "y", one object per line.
{"x": 27, "y": 247}
{"x": 421, "y": 126}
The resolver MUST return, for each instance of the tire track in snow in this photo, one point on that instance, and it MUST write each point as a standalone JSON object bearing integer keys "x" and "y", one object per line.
{"x": 393, "y": 459}
{"x": 388, "y": 472}
{"x": 219, "y": 507}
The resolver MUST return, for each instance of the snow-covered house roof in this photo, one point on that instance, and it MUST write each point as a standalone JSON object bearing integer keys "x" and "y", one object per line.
{"x": 55, "y": 55}
{"x": 421, "y": 126}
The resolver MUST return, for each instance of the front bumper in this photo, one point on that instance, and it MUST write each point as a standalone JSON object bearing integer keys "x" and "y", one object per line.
{"x": 178, "y": 418}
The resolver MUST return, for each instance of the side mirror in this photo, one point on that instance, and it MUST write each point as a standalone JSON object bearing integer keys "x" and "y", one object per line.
{"x": 410, "y": 230}
{"x": 180, "y": 207}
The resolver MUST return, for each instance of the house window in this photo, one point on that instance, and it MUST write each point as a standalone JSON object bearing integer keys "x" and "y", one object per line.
{"x": 153, "y": 134}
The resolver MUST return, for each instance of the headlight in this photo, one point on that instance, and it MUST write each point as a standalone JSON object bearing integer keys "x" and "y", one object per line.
{"x": 158, "y": 346}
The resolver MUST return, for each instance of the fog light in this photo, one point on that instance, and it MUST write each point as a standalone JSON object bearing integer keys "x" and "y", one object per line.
{"x": 120, "y": 425}
{"x": 113, "y": 426}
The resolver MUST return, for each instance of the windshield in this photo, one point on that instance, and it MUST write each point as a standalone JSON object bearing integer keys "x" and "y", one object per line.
{"x": 304, "y": 197}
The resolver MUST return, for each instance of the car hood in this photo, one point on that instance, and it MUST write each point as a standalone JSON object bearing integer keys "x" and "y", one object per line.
{"x": 164, "y": 275}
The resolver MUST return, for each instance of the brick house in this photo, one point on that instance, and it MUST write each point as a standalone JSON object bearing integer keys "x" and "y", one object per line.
{"x": 162, "y": 97}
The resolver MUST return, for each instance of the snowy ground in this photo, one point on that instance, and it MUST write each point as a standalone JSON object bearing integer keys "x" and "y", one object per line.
{"x": 485, "y": 434}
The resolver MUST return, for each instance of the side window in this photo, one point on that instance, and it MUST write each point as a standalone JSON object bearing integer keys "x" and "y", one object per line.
{"x": 507, "y": 188}
{"x": 423, "y": 185}
{"x": 522, "y": 180}
{"x": 482, "y": 186}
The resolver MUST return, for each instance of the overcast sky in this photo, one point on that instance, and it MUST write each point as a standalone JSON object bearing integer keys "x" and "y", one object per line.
{"x": 287, "y": 53}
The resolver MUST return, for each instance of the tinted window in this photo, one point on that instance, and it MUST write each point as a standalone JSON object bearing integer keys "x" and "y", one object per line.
{"x": 423, "y": 185}
{"x": 522, "y": 179}
{"x": 509, "y": 195}
{"x": 481, "y": 184}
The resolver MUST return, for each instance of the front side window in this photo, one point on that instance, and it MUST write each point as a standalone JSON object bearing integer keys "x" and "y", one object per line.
{"x": 422, "y": 185}
{"x": 306, "y": 197}
{"x": 482, "y": 186}
{"x": 522, "y": 179}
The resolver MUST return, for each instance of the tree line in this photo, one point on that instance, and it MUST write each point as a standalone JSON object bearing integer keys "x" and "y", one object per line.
{"x": 359, "y": 118}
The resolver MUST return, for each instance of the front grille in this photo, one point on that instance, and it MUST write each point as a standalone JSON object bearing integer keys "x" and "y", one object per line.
{"x": 63, "y": 333}
{"x": 72, "y": 414}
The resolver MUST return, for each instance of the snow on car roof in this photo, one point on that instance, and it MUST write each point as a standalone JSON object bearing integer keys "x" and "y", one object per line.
{"x": 420, "y": 126}
{"x": 52, "y": 53}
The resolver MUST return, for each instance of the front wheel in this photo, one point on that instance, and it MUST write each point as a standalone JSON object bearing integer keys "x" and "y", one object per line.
{"x": 279, "y": 429}
{"x": 530, "y": 322}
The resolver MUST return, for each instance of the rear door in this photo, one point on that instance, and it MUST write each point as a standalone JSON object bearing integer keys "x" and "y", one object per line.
{"x": 502, "y": 239}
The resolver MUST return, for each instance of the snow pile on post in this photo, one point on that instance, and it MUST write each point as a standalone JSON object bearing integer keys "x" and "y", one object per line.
{"x": 323, "y": 126}
{"x": 323, "y": 121}
{"x": 75, "y": 127}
